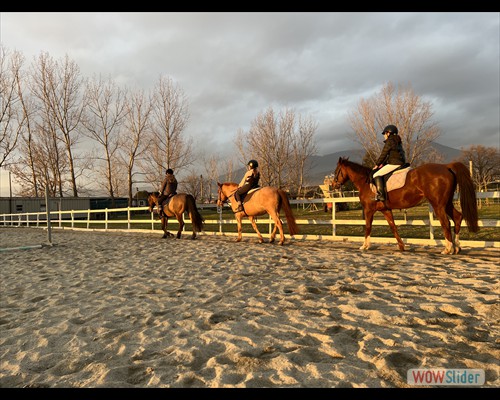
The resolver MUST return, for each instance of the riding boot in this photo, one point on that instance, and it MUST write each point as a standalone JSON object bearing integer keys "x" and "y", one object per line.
{"x": 238, "y": 201}
{"x": 379, "y": 183}
{"x": 240, "y": 207}
{"x": 160, "y": 210}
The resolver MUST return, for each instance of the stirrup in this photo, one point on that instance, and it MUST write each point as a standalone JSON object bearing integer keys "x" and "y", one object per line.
{"x": 239, "y": 208}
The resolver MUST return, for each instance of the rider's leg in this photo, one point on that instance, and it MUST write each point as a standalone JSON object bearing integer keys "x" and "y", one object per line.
{"x": 237, "y": 198}
{"x": 159, "y": 202}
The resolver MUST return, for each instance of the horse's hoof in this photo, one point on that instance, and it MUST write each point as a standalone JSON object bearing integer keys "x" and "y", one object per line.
{"x": 457, "y": 250}
{"x": 238, "y": 240}
{"x": 261, "y": 241}
{"x": 271, "y": 240}
{"x": 281, "y": 243}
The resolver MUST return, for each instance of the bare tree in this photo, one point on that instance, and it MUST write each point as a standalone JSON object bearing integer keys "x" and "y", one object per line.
{"x": 304, "y": 147}
{"x": 485, "y": 164}
{"x": 44, "y": 158}
{"x": 57, "y": 86}
{"x": 193, "y": 184}
{"x": 269, "y": 141}
{"x": 169, "y": 117}
{"x": 397, "y": 106}
{"x": 12, "y": 117}
{"x": 211, "y": 175}
{"x": 282, "y": 143}
{"x": 135, "y": 143}
{"x": 105, "y": 111}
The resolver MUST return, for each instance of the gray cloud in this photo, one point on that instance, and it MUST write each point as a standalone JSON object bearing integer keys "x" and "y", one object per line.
{"x": 232, "y": 66}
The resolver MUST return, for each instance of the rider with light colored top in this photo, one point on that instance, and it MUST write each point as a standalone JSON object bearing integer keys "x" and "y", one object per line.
{"x": 391, "y": 157}
{"x": 250, "y": 180}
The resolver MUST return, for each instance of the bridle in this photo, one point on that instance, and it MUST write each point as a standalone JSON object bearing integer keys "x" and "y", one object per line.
{"x": 219, "y": 196}
{"x": 337, "y": 173}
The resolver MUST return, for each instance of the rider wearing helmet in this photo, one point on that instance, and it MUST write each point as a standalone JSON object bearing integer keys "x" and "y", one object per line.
{"x": 250, "y": 180}
{"x": 167, "y": 190}
{"x": 391, "y": 157}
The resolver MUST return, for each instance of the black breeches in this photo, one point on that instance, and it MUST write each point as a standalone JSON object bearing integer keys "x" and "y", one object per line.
{"x": 241, "y": 191}
{"x": 161, "y": 199}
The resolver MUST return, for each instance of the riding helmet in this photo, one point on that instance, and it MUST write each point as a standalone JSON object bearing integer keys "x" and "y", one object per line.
{"x": 253, "y": 164}
{"x": 169, "y": 171}
{"x": 390, "y": 128}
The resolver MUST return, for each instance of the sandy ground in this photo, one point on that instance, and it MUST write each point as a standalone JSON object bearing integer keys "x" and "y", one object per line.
{"x": 109, "y": 309}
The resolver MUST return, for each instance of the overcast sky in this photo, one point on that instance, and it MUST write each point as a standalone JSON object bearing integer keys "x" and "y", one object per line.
{"x": 233, "y": 66}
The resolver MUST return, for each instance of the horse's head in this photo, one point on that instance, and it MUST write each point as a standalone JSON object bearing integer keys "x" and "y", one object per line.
{"x": 152, "y": 197}
{"x": 340, "y": 176}
{"x": 221, "y": 196}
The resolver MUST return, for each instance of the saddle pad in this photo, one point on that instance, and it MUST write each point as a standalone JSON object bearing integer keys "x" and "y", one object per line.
{"x": 253, "y": 190}
{"x": 396, "y": 181}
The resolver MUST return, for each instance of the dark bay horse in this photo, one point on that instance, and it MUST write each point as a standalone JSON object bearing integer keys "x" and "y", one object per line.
{"x": 178, "y": 204}
{"x": 434, "y": 182}
{"x": 266, "y": 200}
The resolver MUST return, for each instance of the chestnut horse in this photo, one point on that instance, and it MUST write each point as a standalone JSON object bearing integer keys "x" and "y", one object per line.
{"x": 178, "y": 204}
{"x": 266, "y": 200}
{"x": 434, "y": 182}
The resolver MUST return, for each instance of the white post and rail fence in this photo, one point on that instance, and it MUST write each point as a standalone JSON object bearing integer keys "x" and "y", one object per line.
{"x": 136, "y": 219}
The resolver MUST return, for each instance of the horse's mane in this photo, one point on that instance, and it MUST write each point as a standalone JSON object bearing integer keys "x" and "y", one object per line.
{"x": 357, "y": 168}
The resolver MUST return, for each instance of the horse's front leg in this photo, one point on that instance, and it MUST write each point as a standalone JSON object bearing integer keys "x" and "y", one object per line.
{"x": 368, "y": 211}
{"x": 254, "y": 226}
{"x": 239, "y": 217}
{"x": 390, "y": 220}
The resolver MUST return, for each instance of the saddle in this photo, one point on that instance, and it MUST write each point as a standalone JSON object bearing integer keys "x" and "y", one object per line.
{"x": 253, "y": 190}
{"x": 167, "y": 200}
{"x": 393, "y": 180}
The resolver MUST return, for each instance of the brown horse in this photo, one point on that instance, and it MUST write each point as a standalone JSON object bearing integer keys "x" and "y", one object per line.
{"x": 266, "y": 200}
{"x": 434, "y": 182}
{"x": 178, "y": 204}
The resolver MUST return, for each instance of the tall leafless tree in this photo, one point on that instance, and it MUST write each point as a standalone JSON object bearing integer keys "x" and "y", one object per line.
{"x": 105, "y": 112}
{"x": 12, "y": 117}
{"x": 304, "y": 147}
{"x": 399, "y": 106}
{"x": 57, "y": 85}
{"x": 135, "y": 142}
{"x": 281, "y": 143}
{"x": 169, "y": 117}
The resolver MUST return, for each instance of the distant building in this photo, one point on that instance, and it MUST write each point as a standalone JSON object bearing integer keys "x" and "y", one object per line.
{"x": 18, "y": 205}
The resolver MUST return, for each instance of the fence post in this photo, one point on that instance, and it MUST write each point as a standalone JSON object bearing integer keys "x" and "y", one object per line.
{"x": 128, "y": 218}
{"x": 334, "y": 226}
{"x": 72, "y": 218}
{"x": 106, "y": 218}
{"x": 88, "y": 218}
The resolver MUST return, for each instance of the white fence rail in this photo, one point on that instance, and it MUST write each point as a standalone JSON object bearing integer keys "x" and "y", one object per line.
{"x": 101, "y": 217}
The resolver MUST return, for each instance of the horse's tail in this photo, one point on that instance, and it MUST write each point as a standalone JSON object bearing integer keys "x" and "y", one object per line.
{"x": 196, "y": 219}
{"x": 467, "y": 191}
{"x": 290, "y": 218}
